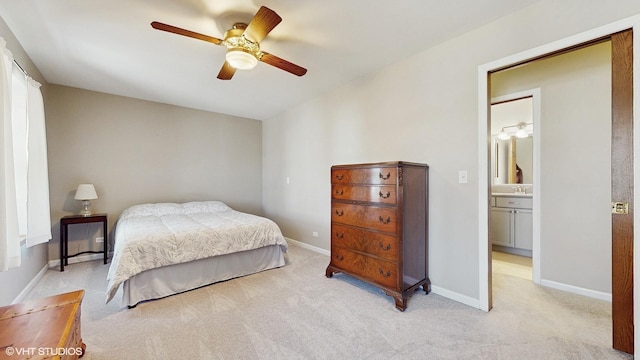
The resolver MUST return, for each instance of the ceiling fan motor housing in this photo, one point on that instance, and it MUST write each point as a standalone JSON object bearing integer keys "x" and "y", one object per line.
{"x": 242, "y": 53}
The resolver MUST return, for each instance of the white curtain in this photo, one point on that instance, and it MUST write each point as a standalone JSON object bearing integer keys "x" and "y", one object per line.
{"x": 24, "y": 175}
{"x": 38, "y": 210}
{"x": 9, "y": 234}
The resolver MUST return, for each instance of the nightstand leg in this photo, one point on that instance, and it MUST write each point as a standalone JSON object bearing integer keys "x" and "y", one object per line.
{"x": 62, "y": 237}
{"x": 104, "y": 234}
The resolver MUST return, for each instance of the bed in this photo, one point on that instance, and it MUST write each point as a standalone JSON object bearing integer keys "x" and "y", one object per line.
{"x": 168, "y": 248}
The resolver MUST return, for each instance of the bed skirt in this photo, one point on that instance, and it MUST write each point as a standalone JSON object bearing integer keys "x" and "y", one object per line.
{"x": 174, "y": 279}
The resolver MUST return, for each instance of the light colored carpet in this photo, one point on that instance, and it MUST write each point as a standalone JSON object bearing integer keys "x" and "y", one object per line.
{"x": 295, "y": 312}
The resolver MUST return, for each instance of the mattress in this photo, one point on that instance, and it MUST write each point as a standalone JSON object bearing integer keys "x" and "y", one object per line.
{"x": 152, "y": 236}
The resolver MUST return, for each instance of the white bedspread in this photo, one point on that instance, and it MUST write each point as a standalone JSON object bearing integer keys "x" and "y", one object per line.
{"x": 155, "y": 235}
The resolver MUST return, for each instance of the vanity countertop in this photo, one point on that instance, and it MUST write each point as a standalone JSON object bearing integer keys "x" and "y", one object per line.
{"x": 512, "y": 195}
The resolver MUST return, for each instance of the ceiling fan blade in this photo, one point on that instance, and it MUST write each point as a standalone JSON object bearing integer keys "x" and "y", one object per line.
{"x": 227, "y": 71}
{"x": 282, "y": 64}
{"x": 176, "y": 30}
{"x": 261, "y": 24}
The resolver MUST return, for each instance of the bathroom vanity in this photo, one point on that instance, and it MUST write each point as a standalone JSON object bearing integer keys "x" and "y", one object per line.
{"x": 512, "y": 223}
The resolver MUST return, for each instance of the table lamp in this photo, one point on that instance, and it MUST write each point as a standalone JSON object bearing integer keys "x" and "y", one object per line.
{"x": 86, "y": 192}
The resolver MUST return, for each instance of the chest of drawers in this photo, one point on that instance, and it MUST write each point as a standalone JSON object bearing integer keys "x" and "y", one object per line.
{"x": 379, "y": 226}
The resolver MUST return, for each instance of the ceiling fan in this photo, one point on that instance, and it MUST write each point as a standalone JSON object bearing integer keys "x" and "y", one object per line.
{"x": 243, "y": 44}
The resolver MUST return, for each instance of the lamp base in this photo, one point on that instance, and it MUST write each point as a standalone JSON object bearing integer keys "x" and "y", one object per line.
{"x": 85, "y": 208}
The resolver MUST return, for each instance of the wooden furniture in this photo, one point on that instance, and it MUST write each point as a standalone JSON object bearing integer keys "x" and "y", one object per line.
{"x": 80, "y": 219}
{"x": 379, "y": 226}
{"x": 47, "y": 328}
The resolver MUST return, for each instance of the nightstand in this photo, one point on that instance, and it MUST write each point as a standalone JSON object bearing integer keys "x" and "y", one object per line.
{"x": 65, "y": 221}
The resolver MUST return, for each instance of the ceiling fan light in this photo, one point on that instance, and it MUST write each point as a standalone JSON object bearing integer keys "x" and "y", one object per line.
{"x": 241, "y": 59}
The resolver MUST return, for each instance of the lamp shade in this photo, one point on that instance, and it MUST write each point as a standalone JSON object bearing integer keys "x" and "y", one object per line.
{"x": 86, "y": 192}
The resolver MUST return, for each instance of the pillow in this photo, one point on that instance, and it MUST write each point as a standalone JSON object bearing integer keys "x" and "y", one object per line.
{"x": 161, "y": 209}
{"x": 151, "y": 210}
{"x": 196, "y": 207}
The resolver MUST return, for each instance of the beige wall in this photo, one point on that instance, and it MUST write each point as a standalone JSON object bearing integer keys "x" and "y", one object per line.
{"x": 422, "y": 109}
{"x": 575, "y": 162}
{"x": 137, "y": 151}
{"x": 34, "y": 259}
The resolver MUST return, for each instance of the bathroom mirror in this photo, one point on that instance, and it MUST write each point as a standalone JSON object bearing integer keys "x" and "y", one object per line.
{"x": 513, "y": 160}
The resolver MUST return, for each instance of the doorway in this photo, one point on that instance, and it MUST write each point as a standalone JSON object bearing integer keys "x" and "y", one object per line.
{"x": 484, "y": 189}
{"x": 515, "y": 168}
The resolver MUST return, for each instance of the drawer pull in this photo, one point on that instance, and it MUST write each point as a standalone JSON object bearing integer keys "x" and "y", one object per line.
{"x": 340, "y": 213}
{"x": 384, "y": 221}
{"x": 339, "y": 235}
{"x": 340, "y": 176}
{"x": 339, "y": 192}
{"x": 385, "y": 177}
{"x": 385, "y": 196}
{"x": 387, "y": 274}
{"x": 340, "y": 257}
{"x": 388, "y": 247}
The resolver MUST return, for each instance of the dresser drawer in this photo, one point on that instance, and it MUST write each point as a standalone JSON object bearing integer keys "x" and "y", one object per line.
{"x": 377, "y": 244}
{"x": 369, "y": 217}
{"x": 375, "y": 194}
{"x": 371, "y": 176}
{"x": 381, "y": 272}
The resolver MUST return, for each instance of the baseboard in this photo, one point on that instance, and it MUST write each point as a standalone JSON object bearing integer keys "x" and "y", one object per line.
{"x": 452, "y": 295}
{"x": 577, "y": 290}
{"x": 309, "y": 247}
{"x": 78, "y": 259}
{"x": 30, "y": 285}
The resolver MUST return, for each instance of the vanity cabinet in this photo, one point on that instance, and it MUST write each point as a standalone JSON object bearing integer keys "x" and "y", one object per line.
{"x": 512, "y": 224}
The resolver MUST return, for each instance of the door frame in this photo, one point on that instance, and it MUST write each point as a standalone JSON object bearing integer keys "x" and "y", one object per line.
{"x": 484, "y": 142}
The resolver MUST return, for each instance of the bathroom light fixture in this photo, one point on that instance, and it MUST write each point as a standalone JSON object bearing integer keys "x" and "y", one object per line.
{"x": 86, "y": 192}
{"x": 503, "y": 135}
{"x": 522, "y": 130}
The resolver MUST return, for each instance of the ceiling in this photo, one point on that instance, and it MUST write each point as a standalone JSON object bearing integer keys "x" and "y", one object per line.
{"x": 109, "y": 45}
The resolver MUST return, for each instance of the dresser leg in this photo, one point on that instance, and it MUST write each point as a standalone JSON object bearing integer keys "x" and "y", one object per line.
{"x": 401, "y": 303}
{"x": 329, "y": 272}
{"x": 427, "y": 286}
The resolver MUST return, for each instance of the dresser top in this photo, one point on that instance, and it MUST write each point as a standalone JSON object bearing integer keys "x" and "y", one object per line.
{"x": 380, "y": 164}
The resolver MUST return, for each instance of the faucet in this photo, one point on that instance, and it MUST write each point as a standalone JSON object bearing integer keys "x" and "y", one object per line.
{"x": 520, "y": 190}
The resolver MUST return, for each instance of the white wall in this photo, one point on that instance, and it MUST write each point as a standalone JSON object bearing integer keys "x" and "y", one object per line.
{"x": 137, "y": 151}
{"x": 423, "y": 109}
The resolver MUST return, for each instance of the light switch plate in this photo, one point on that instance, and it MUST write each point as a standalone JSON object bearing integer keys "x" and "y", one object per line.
{"x": 462, "y": 177}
